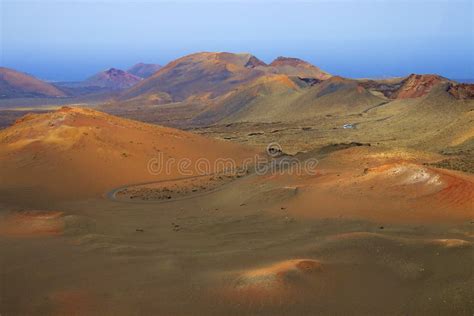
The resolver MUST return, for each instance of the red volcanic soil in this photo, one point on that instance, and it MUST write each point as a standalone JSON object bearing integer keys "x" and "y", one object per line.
{"x": 445, "y": 189}
{"x": 32, "y": 223}
{"x": 417, "y": 86}
{"x": 379, "y": 186}
{"x": 458, "y": 190}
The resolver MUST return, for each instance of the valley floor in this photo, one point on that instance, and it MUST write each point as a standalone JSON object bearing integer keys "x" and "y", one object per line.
{"x": 384, "y": 226}
{"x": 371, "y": 232}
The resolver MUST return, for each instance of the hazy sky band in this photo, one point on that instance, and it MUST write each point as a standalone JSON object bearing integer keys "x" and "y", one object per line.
{"x": 61, "y": 40}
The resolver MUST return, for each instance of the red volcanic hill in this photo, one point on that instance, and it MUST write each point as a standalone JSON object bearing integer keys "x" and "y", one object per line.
{"x": 415, "y": 86}
{"x": 112, "y": 78}
{"x": 15, "y": 84}
{"x": 78, "y": 152}
{"x": 209, "y": 75}
{"x": 144, "y": 70}
{"x": 297, "y": 67}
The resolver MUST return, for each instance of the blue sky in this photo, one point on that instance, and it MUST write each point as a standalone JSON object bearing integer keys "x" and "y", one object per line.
{"x": 71, "y": 40}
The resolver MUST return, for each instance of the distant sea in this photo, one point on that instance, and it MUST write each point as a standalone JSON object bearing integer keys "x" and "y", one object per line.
{"x": 464, "y": 80}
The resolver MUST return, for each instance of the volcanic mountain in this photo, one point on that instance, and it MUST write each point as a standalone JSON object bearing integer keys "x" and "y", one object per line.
{"x": 209, "y": 88}
{"x": 209, "y": 75}
{"x": 204, "y": 74}
{"x": 76, "y": 152}
{"x": 14, "y": 84}
{"x": 112, "y": 78}
{"x": 199, "y": 86}
{"x": 143, "y": 70}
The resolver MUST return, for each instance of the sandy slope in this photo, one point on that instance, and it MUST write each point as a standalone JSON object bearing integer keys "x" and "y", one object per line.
{"x": 76, "y": 152}
{"x": 382, "y": 186}
{"x": 373, "y": 230}
{"x": 261, "y": 245}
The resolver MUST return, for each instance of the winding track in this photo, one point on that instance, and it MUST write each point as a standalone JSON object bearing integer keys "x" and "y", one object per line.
{"x": 111, "y": 195}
